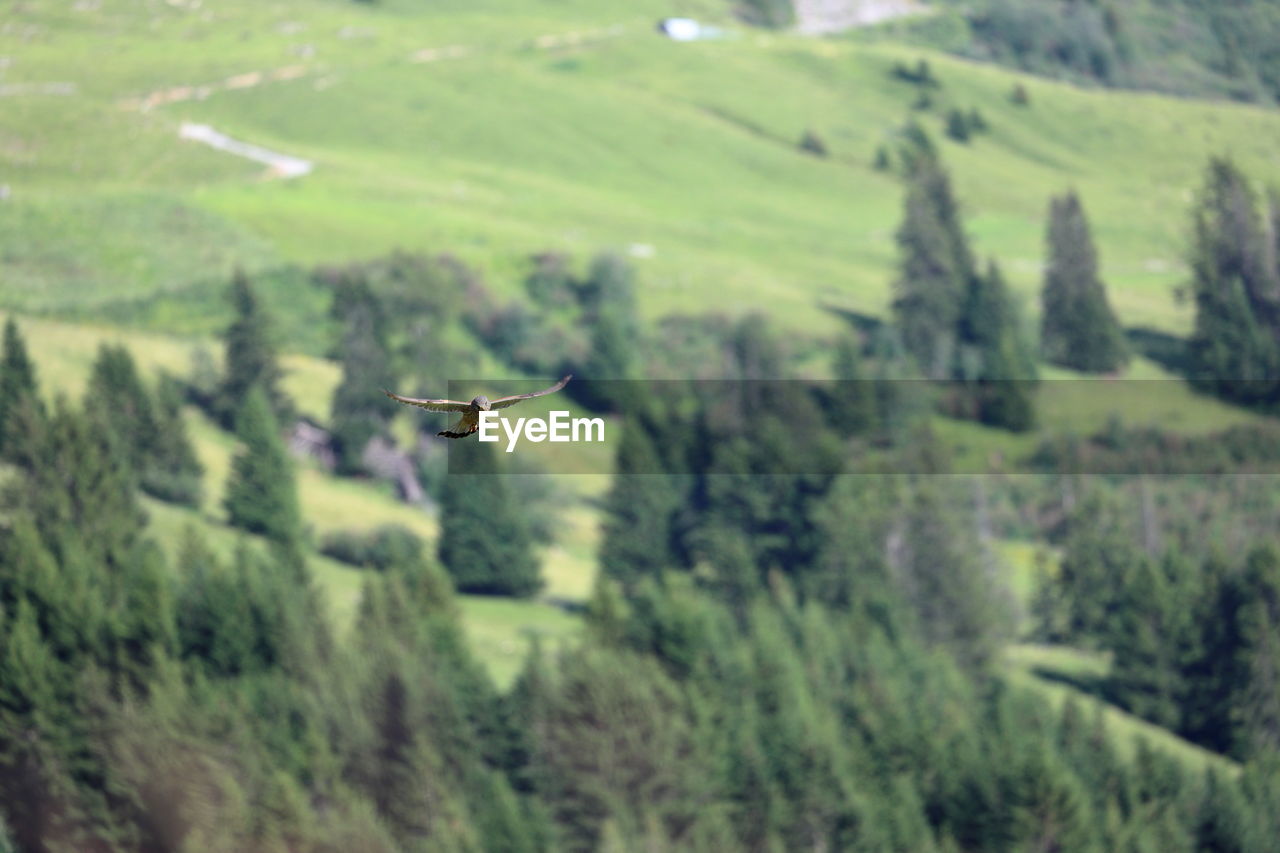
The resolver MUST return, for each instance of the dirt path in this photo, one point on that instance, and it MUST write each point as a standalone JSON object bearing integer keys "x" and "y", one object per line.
{"x": 247, "y": 80}
{"x": 278, "y": 165}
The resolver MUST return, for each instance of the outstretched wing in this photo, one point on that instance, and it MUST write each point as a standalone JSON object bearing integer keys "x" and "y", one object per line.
{"x": 430, "y": 405}
{"x": 504, "y": 402}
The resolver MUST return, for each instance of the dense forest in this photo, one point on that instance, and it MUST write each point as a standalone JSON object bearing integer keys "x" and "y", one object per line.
{"x": 792, "y": 642}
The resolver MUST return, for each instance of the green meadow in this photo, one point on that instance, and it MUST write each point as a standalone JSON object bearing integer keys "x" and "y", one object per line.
{"x": 527, "y": 127}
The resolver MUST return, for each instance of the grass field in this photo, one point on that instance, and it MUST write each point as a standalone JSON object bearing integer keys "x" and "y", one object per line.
{"x": 527, "y": 126}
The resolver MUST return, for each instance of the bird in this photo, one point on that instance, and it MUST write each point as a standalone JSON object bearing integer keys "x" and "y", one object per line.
{"x": 470, "y": 420}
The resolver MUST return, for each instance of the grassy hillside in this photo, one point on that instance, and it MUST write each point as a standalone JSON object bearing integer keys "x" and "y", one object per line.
{"x": 507, "y": 128}
{"x": 496, "y": 129}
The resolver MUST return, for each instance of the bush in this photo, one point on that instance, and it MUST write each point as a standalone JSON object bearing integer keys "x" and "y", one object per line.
{"x": 381, "y": 548}
{"x": 921, "y": 75}
{"x": 813, "y": 144}
{"x": 882, "y": 161}
{"x": 958, "y": 126}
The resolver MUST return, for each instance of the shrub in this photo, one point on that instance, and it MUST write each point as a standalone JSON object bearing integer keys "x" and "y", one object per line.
{"x": 381, "y": 548}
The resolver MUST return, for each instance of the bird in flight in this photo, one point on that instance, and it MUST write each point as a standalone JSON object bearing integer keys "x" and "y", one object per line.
{"x": 470, "y": 421}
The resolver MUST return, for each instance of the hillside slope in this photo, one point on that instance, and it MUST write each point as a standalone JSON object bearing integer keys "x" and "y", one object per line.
{"x": 495, "y": 133}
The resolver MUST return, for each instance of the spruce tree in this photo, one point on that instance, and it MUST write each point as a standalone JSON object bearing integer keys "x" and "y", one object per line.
{"x": 484, "y": 540}
{"x": 638, "y": 531}
{"x": 1078, "y": 328}
{"x": 850, "y": 401}
{"x": 944, "y": 576}
{"x": 360, "y": 411}
{"x": 992, "y": 339}
{"x": 1258, "y": 697}
{"x": 97, "y": 503}
{"x": 1235, "y": 347}
{"x": 17, "y": 380}
{"x": 250, "y": 356}
{"x": 1150, "y": 636}
{"x": 117, "y": 396}
{"x": 935, "y": 267}
{"x": 261, "y": 495}
{"x": 609, "y": 305}
{"x": 1099, "y": 550}
{"x": 174, "y": 472}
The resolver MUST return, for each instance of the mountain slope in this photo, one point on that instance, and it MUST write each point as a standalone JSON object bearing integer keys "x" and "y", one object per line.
{"x": 497, "y": 133}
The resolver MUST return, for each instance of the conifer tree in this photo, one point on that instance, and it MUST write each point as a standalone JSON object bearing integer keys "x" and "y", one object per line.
{"x": 359, "y": 410}
{"x": 1098, "y": 551}
{"x": 484, "y": 540}
{"x": 17, "y": 380}
{"x": 1258, "y": 696}
{"x": 1150, "y": 637}
{"x": 1215, "y": 678}
{"x": 944, "y": 577}
{"x": 1235, "y": 347}
{"x": 1078, "y": 328}
{"x": 935, "y": 268}
{"x": 638, "y": 522}
{"x": 261, "y": 495}
{"x": 174, "y": 472}
{"x": 901, "y": 396}
{"x": 851, "y": 571}
{"x": 851, "y": 400}
{"x": 991, "y": 333}
{"x": 98, "y": 504}
{"x": 609, "y": 305}
{"x": 129, "y": 416}
{"x": 250, "y": 356}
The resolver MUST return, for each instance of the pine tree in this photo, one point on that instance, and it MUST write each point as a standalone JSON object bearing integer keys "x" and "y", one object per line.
{"x": 935, "y": 269}
{"x": 117, "y": 397}
{"x": 78, "y": 481}
{"x": 1235, "y": 347}
{"x": 944, "y": 576}
{"x": 484, "y": 540}
{"x": 1215, "y": 679}
{"x": 901, "y": 396}
{"x": 991, "y": 332}
{"x": 1150, "y": 637}
{"x": 1258, "y": 696}
{"x": 1099, "y": 550}
{"x": 638, "y": 534}
{"x": 1078, "y": 328}
{"x": 17, "y": 380}
{"x": 261, "y": 495}
{"x": 851, "y": 400}
{"x": 359, "y": 410}
{"x": 250, "y": 356}
{"x": 609, "y": 305}
{"x": 150, "y": 432}
{"x": 851, "y": 571}
{"x": 174, "y": 471}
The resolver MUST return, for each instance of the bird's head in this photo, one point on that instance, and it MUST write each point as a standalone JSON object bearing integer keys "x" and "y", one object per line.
{"x": 481, "y": 403}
